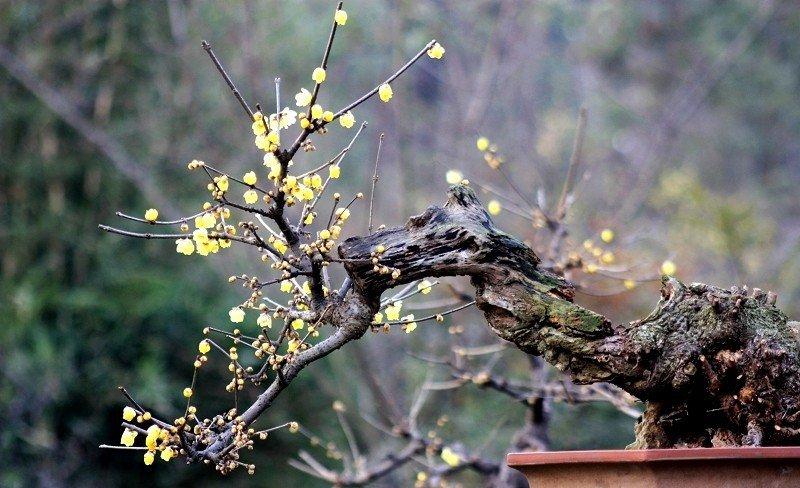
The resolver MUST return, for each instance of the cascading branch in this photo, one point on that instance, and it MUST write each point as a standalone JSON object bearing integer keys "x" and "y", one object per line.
{"x": 298, "y": 249}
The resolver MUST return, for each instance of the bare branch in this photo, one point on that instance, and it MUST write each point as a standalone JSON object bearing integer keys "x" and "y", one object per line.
{"x": 228, "y": 80}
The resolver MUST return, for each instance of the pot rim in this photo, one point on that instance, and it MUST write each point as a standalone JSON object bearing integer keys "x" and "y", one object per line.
{"x": 649, "y": 455}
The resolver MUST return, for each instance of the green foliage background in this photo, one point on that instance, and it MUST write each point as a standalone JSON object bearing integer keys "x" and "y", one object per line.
{"x": 82, "y": 312}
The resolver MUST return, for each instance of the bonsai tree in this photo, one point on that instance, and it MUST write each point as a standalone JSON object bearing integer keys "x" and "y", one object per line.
{"x": 714, "y": 366}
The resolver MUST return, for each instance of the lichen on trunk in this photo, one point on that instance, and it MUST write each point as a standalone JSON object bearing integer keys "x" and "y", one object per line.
{"x": 714, "y": 366}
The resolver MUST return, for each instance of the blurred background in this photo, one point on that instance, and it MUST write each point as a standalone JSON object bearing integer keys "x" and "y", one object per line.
{"x": 692, "y": 154}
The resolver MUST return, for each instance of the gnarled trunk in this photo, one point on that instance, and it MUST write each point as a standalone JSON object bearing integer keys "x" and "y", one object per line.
{"x": 715, "y": 367}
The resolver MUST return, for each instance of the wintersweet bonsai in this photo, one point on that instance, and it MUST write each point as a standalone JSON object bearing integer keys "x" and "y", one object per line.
{"x": 714, "y": 366}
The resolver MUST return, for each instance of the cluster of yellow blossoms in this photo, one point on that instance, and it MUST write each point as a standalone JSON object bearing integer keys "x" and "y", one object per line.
{"x": 156, "y": 438}
{"x": 213, "y": 231}
{"x": 489, "y": 151}
{"x": 203, "y": 241}
{"x": 606, "y": 257}
{"x": 392, "y": 311}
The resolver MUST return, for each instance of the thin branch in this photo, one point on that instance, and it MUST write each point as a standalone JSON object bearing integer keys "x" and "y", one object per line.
{"x": 388, "y": 80}
{"x": 228, "y": 80}
{"x": 336, "y": 160}
{"x": 167, "y": 222}
{"x": 324, "y": 64}
{"x": 434, "y": 316}
{"x": 574, "y": 163}
{"x": 374, "y": 182}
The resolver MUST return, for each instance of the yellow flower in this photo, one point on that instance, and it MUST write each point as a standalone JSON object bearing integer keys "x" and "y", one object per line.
{"x": 393, "y": 310}
{"x": 288, "y": 118}
{"x": 316, "y": 111}
{"x": 149, "y": 457}
{"x": 385, "y": 92}
{"x": 303, "y": 98}
{"x": 280, "y": 246}
{"x": 271, "y": 161}
{"x": 184, "y": 246}
{"x": 286, "y": 286}
{"x": 340, "y": 17}
{"x": 250, "y": 178}
{"x": 318, "y": 75}
{"x": 309, "y": 219}
{"x": 377, "y": 318}
{"x": 274, "y": 173}
{"x": 436, "y": 51}
{"x": 259, "y": 127}
{"x": 207, "y": 247}
{"x": 151, "y": 214}
{"x": 482, "y": 143}
{"x": 293, "y": 345}
{"x": 264, "y": 321}
{"x": 453, "y": 177}
{"x": 187, "y": 392}
{"x": 306, "y": 193}
{"x": 205, "y": 221}
{"x": 222, "y": 183}
{"x": 607, "y": 257}
{"x": 200, "y": 236}
{"x": 316, "y": 181}
{"x": 153, "y": 433}
{"x": 607, "y": 235}
{"x": 591, "y": 268}
{"x": 334, "y": 171}
{"x": 261, "y": 142}
{"x": 347, "y": 120}
{"x": 424, "y": 287}
{"x": 343, "y": 213}
{"x": 668, "y": 268}
{"x": 274, "y": 138}
{"x": 629, "y": 284}
{"x": 324, "y": 234}
{"x": 327, "y": 116}
{"x": 236, "y": 314}
{"x": 450, "y": 457}
{"x": 494, "y": 207}
{"x": 250, "y": 196}
{"x": 297, "y": 324}
{"x": 167, "y": 454}
{"x": 128, "y": 437}
{"x": 410, "y": 326}
{"x": 128, "y": 414}
{"x": 204, "y": 347}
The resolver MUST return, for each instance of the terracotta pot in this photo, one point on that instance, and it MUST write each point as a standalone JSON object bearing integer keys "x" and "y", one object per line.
{"x": 728, "y": 467}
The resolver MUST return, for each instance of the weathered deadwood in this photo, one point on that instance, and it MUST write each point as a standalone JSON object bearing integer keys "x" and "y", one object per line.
{"x": 716, "y": 367}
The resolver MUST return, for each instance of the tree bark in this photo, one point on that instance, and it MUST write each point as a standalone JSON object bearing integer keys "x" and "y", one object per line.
{"x": 714, "y": 366}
